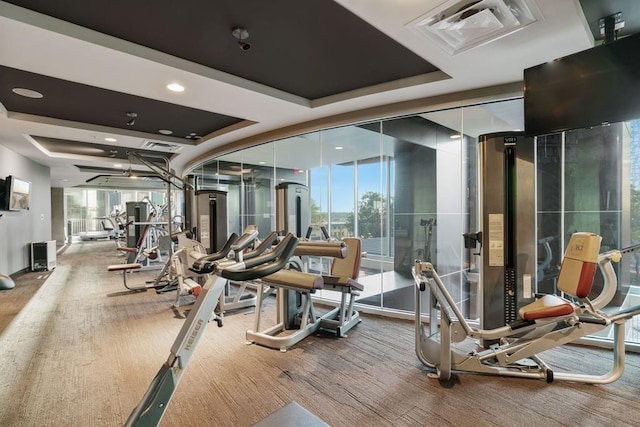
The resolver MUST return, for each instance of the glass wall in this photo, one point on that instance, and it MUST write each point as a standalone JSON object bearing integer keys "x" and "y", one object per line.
{"x": 588, "y": 181}
{"x": 408, "y": 188}
{"x": 405, "y": 186}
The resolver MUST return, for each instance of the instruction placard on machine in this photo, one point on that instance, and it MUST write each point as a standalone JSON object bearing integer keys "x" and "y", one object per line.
{"x": 496, "y": 240}
{"x": 204, "y": 229}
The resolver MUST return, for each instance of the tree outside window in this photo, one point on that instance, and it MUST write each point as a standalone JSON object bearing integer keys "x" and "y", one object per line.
{"x": 372, "y": 212}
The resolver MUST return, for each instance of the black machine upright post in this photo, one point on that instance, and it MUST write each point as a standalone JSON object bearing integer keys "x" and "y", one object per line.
{"x": 211, "y": 219}
{"x": 190, "y": 208}
{"x": 137, "y": 213}
{"x": 293, "y": 212}
{"x": 507, "y": 209}
{"x": 293, "y": 215}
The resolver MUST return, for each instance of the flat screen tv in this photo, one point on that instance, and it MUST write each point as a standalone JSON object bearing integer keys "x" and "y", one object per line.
{"x": 596, "y": 86}
{"x": 17, "y": 194}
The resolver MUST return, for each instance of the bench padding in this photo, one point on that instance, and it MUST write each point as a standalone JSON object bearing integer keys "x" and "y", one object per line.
{"x": 295, "y": 279}
{"x": 341, "y": 282}
{"x": 321, "y": 248}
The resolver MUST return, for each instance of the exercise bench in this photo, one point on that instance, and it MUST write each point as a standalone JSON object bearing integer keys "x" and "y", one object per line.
{"x": 128, "y": 268}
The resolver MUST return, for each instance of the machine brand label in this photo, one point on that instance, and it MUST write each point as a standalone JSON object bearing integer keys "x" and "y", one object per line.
{"x": 194, "y": 334}
{"x": 510, "y": 139}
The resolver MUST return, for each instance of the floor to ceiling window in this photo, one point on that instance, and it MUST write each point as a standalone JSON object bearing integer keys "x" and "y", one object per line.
{"x": 91, "y": 209}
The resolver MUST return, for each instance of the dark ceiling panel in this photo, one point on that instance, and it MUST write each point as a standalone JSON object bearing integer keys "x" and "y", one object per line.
{"x": 88, "y": 104}
{"x": 310, "y": 48}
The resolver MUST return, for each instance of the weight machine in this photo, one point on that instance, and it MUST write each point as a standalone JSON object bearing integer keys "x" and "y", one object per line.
{"x": 449, "y": 344}
{"x": 137, "y": 250}
{"x": 508, "y": 216}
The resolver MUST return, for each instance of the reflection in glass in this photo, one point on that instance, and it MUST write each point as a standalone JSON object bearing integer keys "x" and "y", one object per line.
{"x": 587, "y": 181}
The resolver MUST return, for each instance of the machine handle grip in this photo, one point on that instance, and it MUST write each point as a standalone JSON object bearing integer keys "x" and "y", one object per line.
{"x": 222, "y": 252}
{"x": 265, "y": 264}
{"x": 244, "y": 241}
{"x": 263, "y": 246}
{"x": 325, "y": 233}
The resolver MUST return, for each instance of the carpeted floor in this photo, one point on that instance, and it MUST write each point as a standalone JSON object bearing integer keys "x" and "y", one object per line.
{"x": 13, "y": 300}
{"x": 83, "y": 351}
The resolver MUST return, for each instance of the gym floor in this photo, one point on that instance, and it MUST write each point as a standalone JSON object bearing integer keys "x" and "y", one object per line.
{"x": 82, "y": 351}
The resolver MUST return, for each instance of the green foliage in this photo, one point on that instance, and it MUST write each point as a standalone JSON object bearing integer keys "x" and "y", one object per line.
{"x": 372, "y": 214}
{"x": 635, "y": 214}
{"x": 318, "y": 218}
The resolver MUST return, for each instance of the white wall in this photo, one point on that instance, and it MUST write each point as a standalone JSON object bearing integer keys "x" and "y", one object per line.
{"x": 19, "y": 229}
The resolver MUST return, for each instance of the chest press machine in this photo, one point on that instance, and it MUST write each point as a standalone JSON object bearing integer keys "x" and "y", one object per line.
{"x": 154, "y": 403}
{"x": 548, "y": 322}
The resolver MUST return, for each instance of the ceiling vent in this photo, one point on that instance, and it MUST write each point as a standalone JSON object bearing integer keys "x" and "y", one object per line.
{"x": 160, "y": 146}
{"x": 459, "y": 25}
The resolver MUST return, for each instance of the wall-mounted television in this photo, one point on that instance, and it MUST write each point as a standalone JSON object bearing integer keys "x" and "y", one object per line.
{"x": 17, "y": 194}
{"x": 596, "y": 86}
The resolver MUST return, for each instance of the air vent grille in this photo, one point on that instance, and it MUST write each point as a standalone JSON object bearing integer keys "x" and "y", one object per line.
{"x": 160, "y": 146}
{"x": 458, "y": 25}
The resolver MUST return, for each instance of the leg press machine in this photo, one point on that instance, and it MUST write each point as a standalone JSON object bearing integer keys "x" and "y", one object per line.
{"x": 548, "y": 322}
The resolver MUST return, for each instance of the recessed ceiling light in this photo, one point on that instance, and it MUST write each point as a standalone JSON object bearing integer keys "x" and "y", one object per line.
{"x": 339, "y": 147}
{"x": 29, "y": 93}
{"x": 165, "y": 131}
{"x": 456, "y": 136}
{"x": 109, "y": 139}
{"x": 263, "y": 163}
{"x": 117, "y": 166}
{"x": 175, "y": 87}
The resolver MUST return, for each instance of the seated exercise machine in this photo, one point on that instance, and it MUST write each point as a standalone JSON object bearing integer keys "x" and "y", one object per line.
{"x": 167, "y": 276}
{"x": 181, "y": 278}
{"x": 199, "y": 261}
{"x": 296, "y": 321}
{"x": 548, "y": 322}
{"x": 142, "y": 249}
{"x": 154, "y": 403}
{"x": 242, "y": 251}
{"x": 137, "y": 258}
